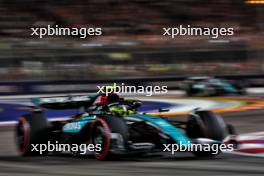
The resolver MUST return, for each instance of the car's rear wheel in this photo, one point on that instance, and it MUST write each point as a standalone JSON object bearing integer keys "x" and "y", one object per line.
{"x": 208, "y": 91}
{"x": 31, "y": 129}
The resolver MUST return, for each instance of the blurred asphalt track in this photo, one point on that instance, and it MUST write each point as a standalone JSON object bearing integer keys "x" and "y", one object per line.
{"x": 180, "y": 164}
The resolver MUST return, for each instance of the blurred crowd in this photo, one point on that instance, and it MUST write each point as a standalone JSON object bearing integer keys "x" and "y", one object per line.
{"x": 129, "y": 27}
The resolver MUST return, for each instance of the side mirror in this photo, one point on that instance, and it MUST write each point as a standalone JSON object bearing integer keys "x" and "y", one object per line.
{"x": 163, "y": 110}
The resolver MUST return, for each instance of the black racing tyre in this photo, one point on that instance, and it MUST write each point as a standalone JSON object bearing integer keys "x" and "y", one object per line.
{"x": 189, "y": 90}
{"x": 240, "y": 86}
{"x": 206, "y": 124}
{"x": 215, "y": 127}
{"x": 209, "y": 91}
{"x": 31, "y": 129}
{"x": 101, "y": 134}
{"x": 195, "y": 127}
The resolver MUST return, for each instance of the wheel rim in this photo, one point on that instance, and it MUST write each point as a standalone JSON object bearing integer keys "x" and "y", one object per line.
{"x": 102, "y": 137}
{"x": 22, "y": 135}
{"x": 99, "y": 137}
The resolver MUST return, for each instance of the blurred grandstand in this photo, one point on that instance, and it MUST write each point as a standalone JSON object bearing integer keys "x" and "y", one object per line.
{"x": 132, "y": 44}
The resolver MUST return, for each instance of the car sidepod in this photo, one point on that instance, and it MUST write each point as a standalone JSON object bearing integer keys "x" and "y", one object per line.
{"x": 166, "y": 127}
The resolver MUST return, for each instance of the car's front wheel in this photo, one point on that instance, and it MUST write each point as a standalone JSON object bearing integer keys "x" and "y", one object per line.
{"x": 206, "y": 124}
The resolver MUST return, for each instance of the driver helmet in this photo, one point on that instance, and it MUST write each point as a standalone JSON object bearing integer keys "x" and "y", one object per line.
{"x": 121, "y": 110}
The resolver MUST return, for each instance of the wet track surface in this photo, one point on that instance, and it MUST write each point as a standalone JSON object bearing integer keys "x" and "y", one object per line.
{"x": 180, "y": 164}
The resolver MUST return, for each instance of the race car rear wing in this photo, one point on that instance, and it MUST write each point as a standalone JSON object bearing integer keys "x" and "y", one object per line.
{"x": 63, "y": 102}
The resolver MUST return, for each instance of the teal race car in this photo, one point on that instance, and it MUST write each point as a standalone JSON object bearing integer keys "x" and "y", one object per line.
{"x": 209, "y": 86}
{"x": 113, "y": 126}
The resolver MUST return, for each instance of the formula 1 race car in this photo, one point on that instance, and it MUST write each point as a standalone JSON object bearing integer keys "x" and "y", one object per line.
{"x": 114, "y": 124}
{"x": 208, "y": 86}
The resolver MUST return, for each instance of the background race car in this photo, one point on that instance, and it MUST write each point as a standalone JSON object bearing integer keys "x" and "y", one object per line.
{"x": 208, "y": 86}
